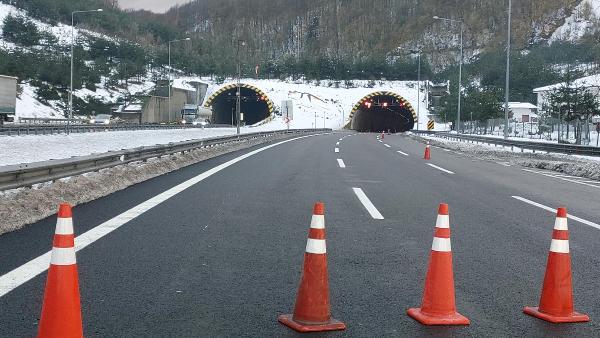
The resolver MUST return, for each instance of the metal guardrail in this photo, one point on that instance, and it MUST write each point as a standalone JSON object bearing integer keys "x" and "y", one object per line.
{"x": 572, "y": 149}
{"x": 50, "y": 129}
{"x": 26, "y": 175}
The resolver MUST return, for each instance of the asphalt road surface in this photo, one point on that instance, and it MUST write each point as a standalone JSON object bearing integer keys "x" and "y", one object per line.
{"x": 222, "y": 258}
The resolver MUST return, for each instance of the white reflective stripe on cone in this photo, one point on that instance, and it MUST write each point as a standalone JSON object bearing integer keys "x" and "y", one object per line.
{"x": 317, "y": 222}
{"x": 559, "y": 246}
{"x": 443, "y": 221}
{"x": 63, "y": 256}
{"x": 316, "y": 246}
{"x": 64, "y": 226}
{"x": 441, "y": 244}
{"x": 561, "y": 223}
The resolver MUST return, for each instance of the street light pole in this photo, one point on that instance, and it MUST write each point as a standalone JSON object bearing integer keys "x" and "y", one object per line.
{"x": 506, "y": 111}
{"x": 419, "y": 90}
{"x": 459, "y": 66}
{"x": 73, "y": 58}
{"x": 239, "y": 94}
{"x": 170, "y": 71}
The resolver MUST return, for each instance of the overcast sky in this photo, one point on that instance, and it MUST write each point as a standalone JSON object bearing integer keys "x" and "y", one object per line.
{"x": 157, "y": 6}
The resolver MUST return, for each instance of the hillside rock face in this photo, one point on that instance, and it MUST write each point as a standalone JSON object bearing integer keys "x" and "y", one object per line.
{"x": 360, "y": 28}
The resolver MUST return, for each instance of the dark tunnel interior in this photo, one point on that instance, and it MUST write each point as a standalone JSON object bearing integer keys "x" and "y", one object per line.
{"x": 253, "y": 106}
{"x": 383, "y": 113}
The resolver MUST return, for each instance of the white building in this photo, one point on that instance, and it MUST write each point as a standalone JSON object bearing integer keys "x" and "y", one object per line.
{"x": 523, "y": 111}
{"x": 591, "y": 83}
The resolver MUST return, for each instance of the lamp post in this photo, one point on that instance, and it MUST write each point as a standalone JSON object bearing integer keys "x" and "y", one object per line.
{"x": 506, "y": 110}
{"x": 459, "y": 67}
{"x": 170, "y": 70}
{"x": 73, "y": 57}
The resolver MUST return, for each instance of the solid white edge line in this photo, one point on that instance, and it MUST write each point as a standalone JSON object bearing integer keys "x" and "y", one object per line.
{"x": 341, "y": 163}
{"x": 366, "y": 202}
{"x": 560, "y": 178}
{"x": 440, "y": 168}
{"x": 541, "y": 206}
{"x": 19, "y": 276}
{"x": 401, "y": 152}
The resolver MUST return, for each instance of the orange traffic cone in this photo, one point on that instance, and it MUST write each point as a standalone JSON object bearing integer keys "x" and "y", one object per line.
{"x": 61, "y": 312}
{"x": 556, "y": 302}
{"x": 427, "y": 155}
{"x": 438, "y": 306}
{"x": 312, "y": 312}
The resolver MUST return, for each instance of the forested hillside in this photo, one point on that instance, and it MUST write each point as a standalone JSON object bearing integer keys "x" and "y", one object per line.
{"x": 318, "y": 39}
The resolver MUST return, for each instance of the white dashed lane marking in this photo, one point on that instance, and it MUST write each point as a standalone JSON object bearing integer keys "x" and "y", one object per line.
{"x": 366, "y": 202}
{"x": 341, "y": 163}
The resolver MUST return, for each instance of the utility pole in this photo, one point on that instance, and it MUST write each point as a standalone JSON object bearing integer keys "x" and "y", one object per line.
{"x": 506, "y": 110}
{"x": 419, "y": 90}
{"x": 170, "y": 70}
{"x": 239, "y": 85}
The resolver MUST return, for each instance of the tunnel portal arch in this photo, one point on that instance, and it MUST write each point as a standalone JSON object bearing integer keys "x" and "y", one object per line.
{"x": 255, "y": 104}
{"x": 382, "y": 111}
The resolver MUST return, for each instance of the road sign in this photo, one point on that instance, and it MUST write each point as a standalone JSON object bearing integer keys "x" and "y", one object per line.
{"x": 287, "y": 109}
{"x": 430, "y": 125}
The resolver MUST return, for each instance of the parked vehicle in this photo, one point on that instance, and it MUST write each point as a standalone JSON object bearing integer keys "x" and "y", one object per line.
{"x": 101, "y": 119}
{"x": 8, "y": 98}
{"x": 201, "y": 122}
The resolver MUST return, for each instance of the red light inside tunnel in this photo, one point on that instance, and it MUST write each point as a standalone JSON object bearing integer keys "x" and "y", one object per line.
{"x": 368, "y": 104}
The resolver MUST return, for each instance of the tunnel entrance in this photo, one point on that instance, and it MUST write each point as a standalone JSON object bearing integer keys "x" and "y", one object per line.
{"x": 383, "y": 111}
{"x": 254, "y": 105}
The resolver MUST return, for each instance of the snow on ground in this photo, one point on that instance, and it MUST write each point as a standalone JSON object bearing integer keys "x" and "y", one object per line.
{"x": 29, "y": 106}
{"x": 35, "y": 148}
{"x": 490, "y": 149}
{"x": 553, "y": 137}
{"x": 583, "y": 20}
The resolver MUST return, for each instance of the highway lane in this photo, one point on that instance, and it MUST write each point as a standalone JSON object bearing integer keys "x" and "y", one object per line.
{"x": 223, "y": 257}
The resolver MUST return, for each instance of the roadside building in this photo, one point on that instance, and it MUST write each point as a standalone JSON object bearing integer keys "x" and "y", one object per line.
{"x": 590, "y": 83}
{"x": 523, "y": 112}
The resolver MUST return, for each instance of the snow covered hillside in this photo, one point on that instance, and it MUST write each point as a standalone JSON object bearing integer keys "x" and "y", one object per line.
{"x": 585, "y": 19}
